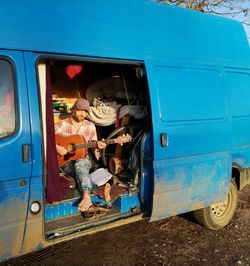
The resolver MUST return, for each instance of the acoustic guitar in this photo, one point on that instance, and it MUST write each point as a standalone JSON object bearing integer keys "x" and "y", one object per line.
{"x": 77, "y": 146}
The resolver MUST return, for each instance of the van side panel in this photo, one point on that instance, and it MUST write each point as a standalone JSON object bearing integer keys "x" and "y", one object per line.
{"x": 186, "y": 184}
{"x": 146, "y": 30}
{"x": 193, "y": 111}
{"x": 190, "y": 109}
{"x": 238, "y": 84}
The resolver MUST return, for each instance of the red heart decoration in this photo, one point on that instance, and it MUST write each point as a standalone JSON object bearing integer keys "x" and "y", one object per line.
{"x": 73, "y": 70}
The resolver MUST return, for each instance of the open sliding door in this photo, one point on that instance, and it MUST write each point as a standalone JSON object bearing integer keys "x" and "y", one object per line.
{"x": 192, "y": 167}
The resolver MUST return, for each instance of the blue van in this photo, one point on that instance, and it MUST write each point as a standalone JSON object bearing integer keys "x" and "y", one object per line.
{"x": 175, "y": 84}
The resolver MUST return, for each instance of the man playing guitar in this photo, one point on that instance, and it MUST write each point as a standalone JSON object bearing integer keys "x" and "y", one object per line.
{"x": 78, "y": 125}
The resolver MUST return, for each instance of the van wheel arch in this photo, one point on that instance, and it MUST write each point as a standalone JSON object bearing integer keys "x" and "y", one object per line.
{"x": 219, "y": 215}
{"x": 236, "y": 175}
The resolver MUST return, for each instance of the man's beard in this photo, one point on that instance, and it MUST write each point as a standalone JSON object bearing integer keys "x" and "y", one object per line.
{"x": 79, "y": 118}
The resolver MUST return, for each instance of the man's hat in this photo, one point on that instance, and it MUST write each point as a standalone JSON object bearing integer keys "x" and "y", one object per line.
{"x": 82, "y": 104}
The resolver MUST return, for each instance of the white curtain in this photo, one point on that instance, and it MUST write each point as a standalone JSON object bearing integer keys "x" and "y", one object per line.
{"x": 42, "y": 83}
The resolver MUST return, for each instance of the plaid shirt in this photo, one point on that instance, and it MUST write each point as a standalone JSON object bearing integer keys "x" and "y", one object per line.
{"x": 67, "y": 127}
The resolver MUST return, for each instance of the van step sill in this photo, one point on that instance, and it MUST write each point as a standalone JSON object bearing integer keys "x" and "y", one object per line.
{"x": 77, "y": 223}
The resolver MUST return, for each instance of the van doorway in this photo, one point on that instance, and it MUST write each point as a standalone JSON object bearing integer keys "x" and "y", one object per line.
{"x": 120, "y": 110}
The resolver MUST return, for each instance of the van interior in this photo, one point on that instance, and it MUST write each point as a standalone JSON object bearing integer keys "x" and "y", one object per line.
{"x": 120, "y": 109}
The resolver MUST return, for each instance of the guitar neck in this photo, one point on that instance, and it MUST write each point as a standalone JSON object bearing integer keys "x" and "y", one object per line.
{"x": 92, "y": 144}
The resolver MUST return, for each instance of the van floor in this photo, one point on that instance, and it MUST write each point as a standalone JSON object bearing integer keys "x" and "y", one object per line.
{"x": 65, "y": 218}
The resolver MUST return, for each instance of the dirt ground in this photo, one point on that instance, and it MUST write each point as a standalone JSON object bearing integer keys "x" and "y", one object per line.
{"x": 173, "y": 241}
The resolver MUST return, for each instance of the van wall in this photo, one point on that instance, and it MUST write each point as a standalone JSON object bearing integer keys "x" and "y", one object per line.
{"x": 193, "y": 111}
{"x": 237, "y": 83}
{"x": 190, "y": 110}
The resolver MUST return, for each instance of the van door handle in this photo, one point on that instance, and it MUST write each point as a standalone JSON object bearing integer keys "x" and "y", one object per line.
{"x": 25, "y": 153}
{"x": 164, "y": 139}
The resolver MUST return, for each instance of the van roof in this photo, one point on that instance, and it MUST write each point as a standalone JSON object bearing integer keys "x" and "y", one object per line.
{"x": 121, "y": 29}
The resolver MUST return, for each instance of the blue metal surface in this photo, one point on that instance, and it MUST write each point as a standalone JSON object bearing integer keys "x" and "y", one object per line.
{"x": 147, "y": 173}
{"x": 189, "y": 183}
{"x": 14, "y": 174}
{"x": 198, "y": 74}
{"x": 33, "y": 234}
{"x": 62, "y": 209}
{"x": 128, "y": 203}
{"x": 237, "y": 82}
{"x": 123, "y": 204}
{"x": 191, "y": 103}
{"x": 68, "y": 207}
{"x": 130, "y": 29}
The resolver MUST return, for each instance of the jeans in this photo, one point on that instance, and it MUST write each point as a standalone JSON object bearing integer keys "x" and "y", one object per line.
{"x": 80, "y": 169}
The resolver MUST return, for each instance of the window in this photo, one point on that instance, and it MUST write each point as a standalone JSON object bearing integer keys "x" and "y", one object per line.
{"x": 7, "y": 105}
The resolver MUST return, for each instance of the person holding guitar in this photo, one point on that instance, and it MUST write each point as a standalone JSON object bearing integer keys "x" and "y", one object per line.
{"x": 78, "y": 125}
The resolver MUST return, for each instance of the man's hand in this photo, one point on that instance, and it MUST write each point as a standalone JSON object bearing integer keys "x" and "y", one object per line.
{"x": 101, "y": 145}
{"x": 61, "y": 150}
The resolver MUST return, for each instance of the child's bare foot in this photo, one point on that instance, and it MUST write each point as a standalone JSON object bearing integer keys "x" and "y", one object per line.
{"x": 107, "y": 189}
